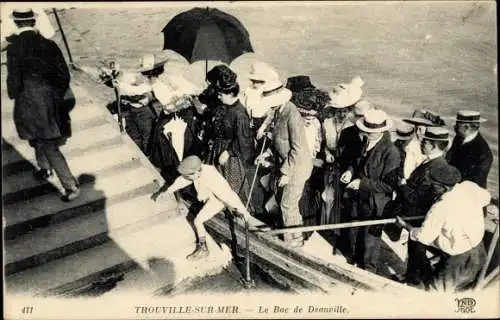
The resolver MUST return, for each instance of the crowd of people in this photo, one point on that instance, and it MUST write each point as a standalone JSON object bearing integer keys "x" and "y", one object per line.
{"x": 293, "y": 155}
{"x": 289, "y": 154}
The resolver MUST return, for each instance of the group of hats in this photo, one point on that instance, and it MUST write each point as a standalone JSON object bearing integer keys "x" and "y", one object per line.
{"x": 435, "y": 129}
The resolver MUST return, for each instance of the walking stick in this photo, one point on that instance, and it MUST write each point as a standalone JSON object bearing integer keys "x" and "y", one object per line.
{"x": 248, "y": 281}
{"x": 256, "y": 172}
{"x": 119, "y": 107}
{"x": 337, "y": 225}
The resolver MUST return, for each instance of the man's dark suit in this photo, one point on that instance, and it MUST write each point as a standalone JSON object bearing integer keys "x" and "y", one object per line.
{"x": 377, "y": 170}
{"x": 473, "y": 159}
{"x": 415, "y": 199}
{"x": 37, "y": 80}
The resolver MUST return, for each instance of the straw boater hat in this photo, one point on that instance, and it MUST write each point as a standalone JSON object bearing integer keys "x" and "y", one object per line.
{"x": 23, "y": 14}
{"x": 345, "y": 95}
{"x": 404, "y": 131}
{"x": 436, "y": 134}
{"x": 469, "y": 116}
{"x": 274, "y": 94}
{"x": 374, "y": 121}
{"x": 150, "y": 62}
{"x": 425, "y": 118}
{"x": 261, "y": 71}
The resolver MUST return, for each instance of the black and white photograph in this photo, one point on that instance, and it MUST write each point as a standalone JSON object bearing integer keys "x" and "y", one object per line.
{"x": 250, "y": 159}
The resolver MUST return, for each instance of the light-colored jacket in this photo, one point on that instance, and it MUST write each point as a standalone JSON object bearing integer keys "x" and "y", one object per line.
{"x": 290, "y": 142}
{"x": 455, "y": 224}
{"x": 210, "y": 184}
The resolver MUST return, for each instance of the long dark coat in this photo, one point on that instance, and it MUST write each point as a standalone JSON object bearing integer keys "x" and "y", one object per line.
{"x": 378, "y": 173}
{"x": 163, "y": 154}
{"x": 37, "y": 80}
{"x": 348, "y": 148}
{"x": 472, "y": 159}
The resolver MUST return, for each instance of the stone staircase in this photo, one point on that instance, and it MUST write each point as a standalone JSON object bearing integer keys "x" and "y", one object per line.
{"x": 113, "y": 229}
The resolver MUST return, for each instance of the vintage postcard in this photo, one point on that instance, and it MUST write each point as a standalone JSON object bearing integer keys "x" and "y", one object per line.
{"x": 208, "y": 160}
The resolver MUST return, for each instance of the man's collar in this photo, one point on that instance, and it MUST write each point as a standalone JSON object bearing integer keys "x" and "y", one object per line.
{"x": 470, "y": 137}
{"x": 23, "y": 29}
{"x": 372, "y": 144}
{"x": 434, "y": 155}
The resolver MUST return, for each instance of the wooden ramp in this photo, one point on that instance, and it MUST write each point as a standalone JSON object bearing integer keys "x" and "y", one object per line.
{"x": 112, "y": 236}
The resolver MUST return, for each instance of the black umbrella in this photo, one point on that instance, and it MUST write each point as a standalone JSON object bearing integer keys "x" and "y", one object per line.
{"x": 207, "y": 34}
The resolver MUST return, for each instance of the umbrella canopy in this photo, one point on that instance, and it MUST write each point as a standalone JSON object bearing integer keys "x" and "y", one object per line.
{"x": 207, "y": 34}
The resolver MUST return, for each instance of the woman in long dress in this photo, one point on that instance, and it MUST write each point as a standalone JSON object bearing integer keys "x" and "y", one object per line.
{"x": 231, "y": 148}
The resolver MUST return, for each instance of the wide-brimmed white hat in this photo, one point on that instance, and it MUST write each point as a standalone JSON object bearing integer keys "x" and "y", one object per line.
{"x": 274, "y": 94}
{"x": 361, "y": 107}
{"x": 469, "y": 116}
{"x": 261, "y": 71}
{"x": 345, "y": 95}
{"x": 23, "y": 14}
{"x": 150, "y": 62}
{"x": 374, "y": 121}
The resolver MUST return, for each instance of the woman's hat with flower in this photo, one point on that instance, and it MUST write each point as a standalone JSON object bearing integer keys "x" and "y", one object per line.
{"x": 308, "y": 99}
{"x": 426, "y": 118}
{"x": 226, "y": 79}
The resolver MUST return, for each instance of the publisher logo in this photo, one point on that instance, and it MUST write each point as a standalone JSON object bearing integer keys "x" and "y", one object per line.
{"x": 465, "y": 305}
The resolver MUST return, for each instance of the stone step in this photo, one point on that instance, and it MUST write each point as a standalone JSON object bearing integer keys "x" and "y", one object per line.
{"x": 10, "y": 134}
{"x": 23, "y": 185}
{"x": 76, "y": 270}
{"x": 164, "y": 265}
{"x": 83, "y": 232}
{"x": 42, "y": 211}
{"x": 17, "y": 153}
{"x": 122, "y": 253}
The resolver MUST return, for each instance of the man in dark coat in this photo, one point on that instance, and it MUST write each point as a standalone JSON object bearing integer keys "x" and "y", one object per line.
{"x": 469, "y": 152}
{"x": 173, "y": 125}
{"x": 416, "y": 196}
{"x": 454, "y": 229}
{"x": 163, "y": 154}
{"x": 37, "y": 80}
{"x": 374, "y": 181}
